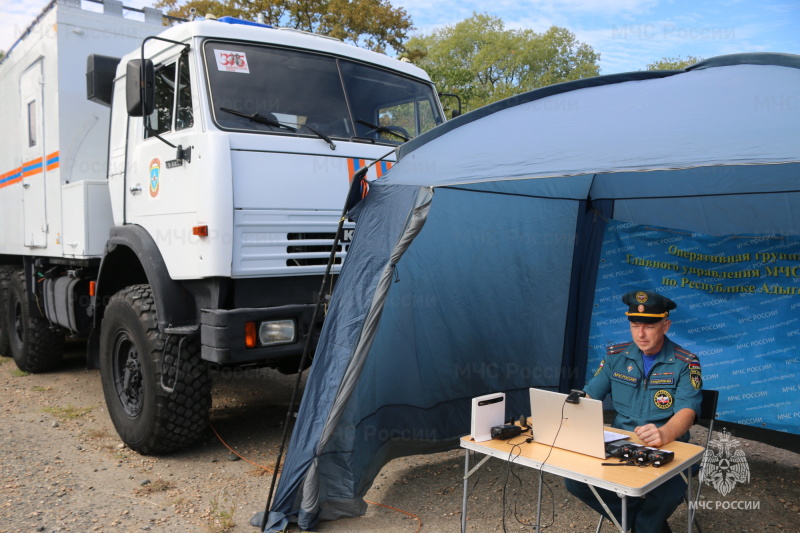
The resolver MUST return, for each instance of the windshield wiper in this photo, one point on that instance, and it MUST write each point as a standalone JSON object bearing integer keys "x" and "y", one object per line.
{"x": 383, "y": 129}
{"x": 321, "y": 136}
{"x": 261, "y": 119}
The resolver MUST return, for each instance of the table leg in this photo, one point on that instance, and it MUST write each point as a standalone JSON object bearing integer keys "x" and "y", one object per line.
{"x": 689, "y": 499}
{"x": 539, "y": 505}
{"x": 624, "y": 513}
{"x": 464, "y": 498}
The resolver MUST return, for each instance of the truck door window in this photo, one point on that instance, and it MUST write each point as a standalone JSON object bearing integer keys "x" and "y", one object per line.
{"x": 160, "y": 121}
{"x": 184, "y": 115}
{"x": 410, "y": 119}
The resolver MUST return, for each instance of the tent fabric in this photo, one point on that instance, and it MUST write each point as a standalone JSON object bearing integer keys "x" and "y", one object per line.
{"x": 625, "y": 127}
{"x": 473, "y": 262}
{"x": 343, "y": 326}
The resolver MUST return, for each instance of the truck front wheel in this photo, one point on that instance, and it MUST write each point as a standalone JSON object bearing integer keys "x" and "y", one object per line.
{"x": 156, "y": 387}
{"x": 35, "y": 345}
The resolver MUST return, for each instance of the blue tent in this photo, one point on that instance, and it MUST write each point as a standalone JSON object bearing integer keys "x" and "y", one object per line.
{"x": 475, "y": 258}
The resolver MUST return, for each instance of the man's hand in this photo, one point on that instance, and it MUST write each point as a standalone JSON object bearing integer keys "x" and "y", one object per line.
{"x": 674, "y": 428}
{"x": 650, "y": 435}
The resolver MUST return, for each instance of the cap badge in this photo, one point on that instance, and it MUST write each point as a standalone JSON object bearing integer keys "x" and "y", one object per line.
{"x": 641, "y": 297}
{"x": 641, "y": 309}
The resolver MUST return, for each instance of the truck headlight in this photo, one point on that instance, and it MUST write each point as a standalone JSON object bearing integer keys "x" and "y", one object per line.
{"x": 277, "y": 332}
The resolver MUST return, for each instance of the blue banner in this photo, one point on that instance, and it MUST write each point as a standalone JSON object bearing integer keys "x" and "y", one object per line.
{"x": 738, "y": 309}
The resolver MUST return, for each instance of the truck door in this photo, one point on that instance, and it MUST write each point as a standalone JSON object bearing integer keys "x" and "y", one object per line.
{"x": 33, "y": 156}
{"x": 160, "y": 188}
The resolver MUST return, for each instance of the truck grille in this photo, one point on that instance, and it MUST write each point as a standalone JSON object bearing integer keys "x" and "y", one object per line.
{"x": 313, "y": 249}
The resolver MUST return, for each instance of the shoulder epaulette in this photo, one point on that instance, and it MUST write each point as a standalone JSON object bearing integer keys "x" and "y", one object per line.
{"x": 685, "y": 356}
{"x": 617, "y": 348}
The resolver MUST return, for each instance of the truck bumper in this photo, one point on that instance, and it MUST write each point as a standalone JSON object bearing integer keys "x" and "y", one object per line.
{"x": 222, "y": 334}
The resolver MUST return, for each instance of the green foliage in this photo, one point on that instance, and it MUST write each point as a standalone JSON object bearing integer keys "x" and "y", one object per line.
{"x": 67, "y": 413}
{"x": 221, "y": 513}
{"x": 673, "y": 63}
{"x": 372, "y": 24}
{"x": 483, "y": 62}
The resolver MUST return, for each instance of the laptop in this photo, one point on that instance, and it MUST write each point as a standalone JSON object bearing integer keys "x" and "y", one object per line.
{"x": 581, "y": 429}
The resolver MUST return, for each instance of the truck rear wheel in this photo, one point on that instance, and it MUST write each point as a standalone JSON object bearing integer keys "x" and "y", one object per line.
{"x": 35, "y": 345}
{"x": 158, "y": 398}
{"x": 5, "y": 274}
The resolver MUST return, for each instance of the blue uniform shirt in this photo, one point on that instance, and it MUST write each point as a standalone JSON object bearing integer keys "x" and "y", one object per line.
{"x": 674, "y": 383}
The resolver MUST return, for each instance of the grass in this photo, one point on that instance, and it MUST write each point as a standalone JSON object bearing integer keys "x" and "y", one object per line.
{"x": 258, "y": 472}
{"x": 69, "y": 412}
{"x": 4, "y": 359}
{"x": 221, "y": 513}
{"x": 17, "y": 373}
{"x": 39, "y": 388}
{"x": 159, "y": 485}
{"x": 97, "y": 434}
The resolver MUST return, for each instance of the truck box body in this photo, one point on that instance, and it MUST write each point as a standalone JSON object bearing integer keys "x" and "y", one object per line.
{"x": 51, "y": 134}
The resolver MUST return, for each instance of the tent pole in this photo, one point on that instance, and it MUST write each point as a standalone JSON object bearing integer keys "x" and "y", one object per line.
{"x": 358, "y": 177}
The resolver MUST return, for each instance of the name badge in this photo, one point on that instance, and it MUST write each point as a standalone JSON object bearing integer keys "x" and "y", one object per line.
{"x": 662, "y": 381}
{"x": 626, "y": 378}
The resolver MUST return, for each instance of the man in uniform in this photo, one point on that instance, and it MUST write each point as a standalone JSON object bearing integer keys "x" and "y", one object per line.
{"x": 655, "y": 386}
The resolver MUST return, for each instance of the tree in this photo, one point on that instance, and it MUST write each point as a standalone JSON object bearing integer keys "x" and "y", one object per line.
{"x": 483, "y": 62}
{"x": 372, "y": 24}
{"x": 673, "y": 63}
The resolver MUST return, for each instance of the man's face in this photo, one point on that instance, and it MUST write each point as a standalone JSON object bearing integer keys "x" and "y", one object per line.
{"x": 649, "y": 337}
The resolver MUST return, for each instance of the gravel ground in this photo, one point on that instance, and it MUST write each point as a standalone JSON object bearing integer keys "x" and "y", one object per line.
{"x": 63, "y": 469}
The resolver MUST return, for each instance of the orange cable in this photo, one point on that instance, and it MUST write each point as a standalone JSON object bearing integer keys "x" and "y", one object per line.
{"x": 236, "y": 454}
{"x": 415, "y": 517}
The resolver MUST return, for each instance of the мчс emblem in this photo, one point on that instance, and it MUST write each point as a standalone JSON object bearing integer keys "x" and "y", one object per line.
{"x": 155, "y": 170}
{"x": 696, "y": 378}
{"x": 641, "y": 297}
{"x": 662, "y": 399}
{"x": 724, "y": 465}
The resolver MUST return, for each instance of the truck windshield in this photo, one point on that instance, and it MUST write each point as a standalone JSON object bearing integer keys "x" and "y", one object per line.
{"x": 290, "y": 92}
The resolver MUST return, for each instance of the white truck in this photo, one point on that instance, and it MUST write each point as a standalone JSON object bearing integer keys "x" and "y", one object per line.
{"x": 171, "y": 195}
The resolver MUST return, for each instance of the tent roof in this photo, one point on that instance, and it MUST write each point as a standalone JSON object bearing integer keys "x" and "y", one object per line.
{"x": 633, "y": 122}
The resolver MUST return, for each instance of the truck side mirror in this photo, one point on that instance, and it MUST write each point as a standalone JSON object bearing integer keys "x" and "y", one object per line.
{"x": 140, "y": 91}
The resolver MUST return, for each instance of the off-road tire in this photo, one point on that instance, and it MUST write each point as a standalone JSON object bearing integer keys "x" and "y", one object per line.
{"x": 5, "y": 274}
{"x": 34, "y": 343}
{"x": 149, "y": 418}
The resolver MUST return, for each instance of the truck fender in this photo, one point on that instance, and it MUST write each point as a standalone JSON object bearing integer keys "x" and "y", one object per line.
{"x": 131, "y": 257}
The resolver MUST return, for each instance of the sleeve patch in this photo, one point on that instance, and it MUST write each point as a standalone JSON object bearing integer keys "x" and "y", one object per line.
{"x": 600, "y": 368}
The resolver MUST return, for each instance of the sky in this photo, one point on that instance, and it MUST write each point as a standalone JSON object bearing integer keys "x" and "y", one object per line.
{"x": 628, "y": 34}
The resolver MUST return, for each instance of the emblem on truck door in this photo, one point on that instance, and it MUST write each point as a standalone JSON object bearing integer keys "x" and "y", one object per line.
{"x": 155, "y": 170}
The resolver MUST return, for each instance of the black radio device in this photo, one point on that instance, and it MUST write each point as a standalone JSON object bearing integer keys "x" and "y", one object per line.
{"x": 506, "y": 431}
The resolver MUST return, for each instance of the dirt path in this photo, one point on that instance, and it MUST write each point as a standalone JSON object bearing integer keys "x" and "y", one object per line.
{"x": 63, "y": 468}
